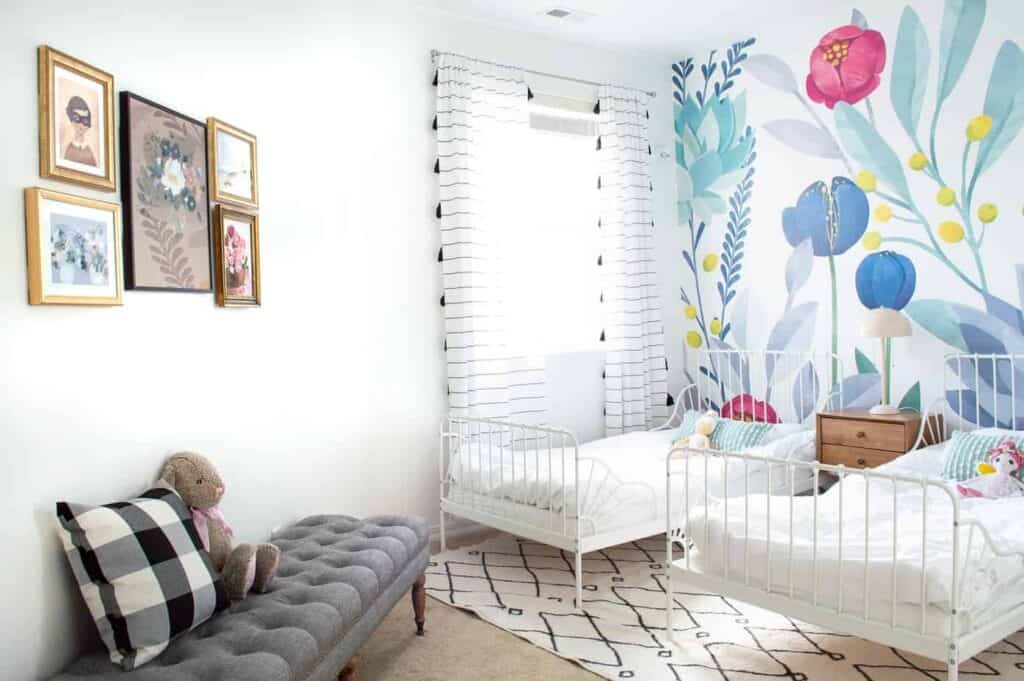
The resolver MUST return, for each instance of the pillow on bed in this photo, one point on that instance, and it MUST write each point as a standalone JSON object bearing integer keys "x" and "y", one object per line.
{"x": 734, "y": 436}
{"x": 967, "y": 450}
{"x": 688, "y": 423}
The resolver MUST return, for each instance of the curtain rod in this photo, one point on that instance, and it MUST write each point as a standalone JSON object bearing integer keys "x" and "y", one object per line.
{"x": 435, "y": 53}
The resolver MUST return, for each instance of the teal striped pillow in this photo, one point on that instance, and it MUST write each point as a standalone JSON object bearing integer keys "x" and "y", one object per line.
{"x": 967, "y": 450}
{"x": 689, "y": 423}
{"x": 734, "y": 436}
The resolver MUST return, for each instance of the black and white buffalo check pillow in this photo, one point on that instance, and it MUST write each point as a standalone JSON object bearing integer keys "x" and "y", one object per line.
{"x": 142, "y": 570}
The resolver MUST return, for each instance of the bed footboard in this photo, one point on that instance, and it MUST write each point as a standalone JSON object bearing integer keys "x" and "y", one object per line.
{"x": 889, "y": 558}
{"x": 531, "y": 481}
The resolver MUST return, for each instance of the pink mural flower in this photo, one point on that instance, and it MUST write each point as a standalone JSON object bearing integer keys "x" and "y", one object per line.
{"x": 845, "y": 66}
{"x": 747, "y": 408}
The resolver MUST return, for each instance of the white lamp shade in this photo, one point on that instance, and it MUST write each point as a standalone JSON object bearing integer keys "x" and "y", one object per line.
{"x": 884, "y": 322}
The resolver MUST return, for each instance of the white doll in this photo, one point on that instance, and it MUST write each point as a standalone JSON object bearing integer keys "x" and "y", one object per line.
{"x": 998, "y": 476}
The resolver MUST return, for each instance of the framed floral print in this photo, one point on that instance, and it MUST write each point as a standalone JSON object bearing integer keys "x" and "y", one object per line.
{"x": 74, "y": 249}
{"x": 76, "y": 121}
{"x": 166, "y": 200}
{"x": 237, "y": 249}
{"x": 233, "y": 176}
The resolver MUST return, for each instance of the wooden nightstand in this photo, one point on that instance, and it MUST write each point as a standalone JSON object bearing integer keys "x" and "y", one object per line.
{"x": 858, "y": 439}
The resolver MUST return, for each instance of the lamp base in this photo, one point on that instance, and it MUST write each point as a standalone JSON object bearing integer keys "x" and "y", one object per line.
{"x": 884, "y": 410}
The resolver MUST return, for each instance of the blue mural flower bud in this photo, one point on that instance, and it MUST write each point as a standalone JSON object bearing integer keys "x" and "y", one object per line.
{"x": 886, "y": 279}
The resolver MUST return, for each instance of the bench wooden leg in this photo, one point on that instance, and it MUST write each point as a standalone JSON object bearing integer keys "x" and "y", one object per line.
{"x": 419, "y": 603}
{"x": 349, "y": 672}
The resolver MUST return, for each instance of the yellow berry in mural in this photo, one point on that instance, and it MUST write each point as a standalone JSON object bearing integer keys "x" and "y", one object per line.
{"x": 866, "y": 180}
{"x": 883, "y": 213}
{"x": 946, "y": 196}
{"x": 690, "y": 311}
{"x": 951, "y": 232}
{"x": 710, "y": 262}
{"x": 693, "y": 339}
{"x": 917, "y": 161}
{"x": 979, "y": 128}
{"x": 871, "y": 241}
{"x": 715, "y": 326}
{"x": 987, "y": 212}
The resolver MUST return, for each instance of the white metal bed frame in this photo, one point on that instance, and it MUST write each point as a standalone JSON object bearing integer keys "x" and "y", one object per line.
{"x": 950, "y": 643}
{"x": 574, "y": 530}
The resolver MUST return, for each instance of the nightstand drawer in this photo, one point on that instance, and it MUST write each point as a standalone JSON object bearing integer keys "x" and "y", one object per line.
{"x": 890, "y": 437}
{"x": 855, "y": 457}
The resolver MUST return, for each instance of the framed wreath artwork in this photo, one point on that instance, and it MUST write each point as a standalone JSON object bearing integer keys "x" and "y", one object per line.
{"x": 237, "y": 250}
{"x": 73, "y": 244}
{"x": 166, "y": 198}
{"x": 76, "y": 121}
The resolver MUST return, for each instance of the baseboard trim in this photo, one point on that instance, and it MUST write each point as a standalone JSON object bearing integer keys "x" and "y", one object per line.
{"x": 455, "y": 528}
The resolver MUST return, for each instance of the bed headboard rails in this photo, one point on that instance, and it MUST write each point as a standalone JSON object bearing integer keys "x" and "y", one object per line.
{"x": 773, "y": 386}
{"x": 983, "y": 391}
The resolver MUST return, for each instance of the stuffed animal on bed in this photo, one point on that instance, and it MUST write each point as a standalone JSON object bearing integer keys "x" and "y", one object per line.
{"x": 701, "y": 438}
{"x": 998, "y": 476}
{"x": 243, "y": 567}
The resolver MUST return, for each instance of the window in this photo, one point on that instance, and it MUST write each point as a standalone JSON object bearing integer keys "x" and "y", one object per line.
{"x": 553, "y": 285}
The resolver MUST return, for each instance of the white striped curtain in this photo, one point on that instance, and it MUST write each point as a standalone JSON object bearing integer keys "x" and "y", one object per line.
{"x": 482, "y": 116}
{"x": 636, "y": 373}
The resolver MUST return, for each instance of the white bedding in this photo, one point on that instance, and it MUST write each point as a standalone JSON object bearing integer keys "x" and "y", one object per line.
{"x": 621, "y": 478}
{"x": 924, "y": 519}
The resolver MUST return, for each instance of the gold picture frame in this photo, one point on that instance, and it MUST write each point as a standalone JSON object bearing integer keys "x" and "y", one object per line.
{"x": 236, "y": 248}
{"x": 73, "y": 245}
{"x": 76, "y": 122}
{"x": 233, "y": 173}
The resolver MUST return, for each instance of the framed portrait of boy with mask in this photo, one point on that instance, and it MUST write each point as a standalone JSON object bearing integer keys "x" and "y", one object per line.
{"x": 76, "y": 121}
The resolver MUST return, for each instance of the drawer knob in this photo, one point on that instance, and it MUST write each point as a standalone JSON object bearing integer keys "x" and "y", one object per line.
{"x": 861, "y": 434}
{"x": 862, "y": 462}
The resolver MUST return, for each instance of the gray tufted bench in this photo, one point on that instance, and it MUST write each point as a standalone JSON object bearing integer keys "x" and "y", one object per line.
{"x": 338, "y": 578}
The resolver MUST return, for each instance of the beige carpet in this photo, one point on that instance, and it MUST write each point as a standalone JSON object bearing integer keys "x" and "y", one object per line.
{"x": 458, "y": 646}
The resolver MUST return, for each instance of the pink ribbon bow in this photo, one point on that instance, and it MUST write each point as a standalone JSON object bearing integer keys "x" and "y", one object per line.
{"x": 201, "y": 518}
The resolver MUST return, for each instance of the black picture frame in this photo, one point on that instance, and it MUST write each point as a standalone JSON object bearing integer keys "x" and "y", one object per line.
{"x": 129, "y": 200}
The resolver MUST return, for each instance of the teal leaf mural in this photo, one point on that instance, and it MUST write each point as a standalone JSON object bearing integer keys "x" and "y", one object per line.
{"x": 864, "y": 363}
{"x": 866, "y": 146}
{"x": 804, "y": 137}
{"x": 912, "y": 398}
{"x": 858, "y": 19}
{"x": 909, "y": 71}
{"x": 861, "y": 391}
{"x": 961, "y": 24}
{"x": 1004, "y": 104}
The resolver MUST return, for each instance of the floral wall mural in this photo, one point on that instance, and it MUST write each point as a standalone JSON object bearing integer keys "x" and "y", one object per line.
{"x": 884, "y": 175}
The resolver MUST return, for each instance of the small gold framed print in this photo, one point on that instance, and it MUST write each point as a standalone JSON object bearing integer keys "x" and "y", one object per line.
{"x": 74, "y": 249}
{"x": 76, "y": 121}
{"x": 233, "y": 174}
{"x": 236, "y": 250}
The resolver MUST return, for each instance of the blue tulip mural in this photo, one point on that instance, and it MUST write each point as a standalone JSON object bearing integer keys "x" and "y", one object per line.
{"x": 886, "y": 279}
{"x": 834, "y": 219}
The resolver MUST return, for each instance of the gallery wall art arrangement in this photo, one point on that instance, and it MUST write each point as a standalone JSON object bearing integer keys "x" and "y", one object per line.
{"x": 871, "y": 161}
{"x": 171, "y": 168}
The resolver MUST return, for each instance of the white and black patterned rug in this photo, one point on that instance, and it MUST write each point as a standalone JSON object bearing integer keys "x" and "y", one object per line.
{"x": 527, "y": 588}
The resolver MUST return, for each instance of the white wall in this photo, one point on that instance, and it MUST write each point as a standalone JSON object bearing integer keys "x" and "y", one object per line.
{"x": 327, "y": 398}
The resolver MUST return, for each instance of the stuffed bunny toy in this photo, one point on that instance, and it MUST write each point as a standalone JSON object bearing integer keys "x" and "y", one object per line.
{"x": 998, "y": 476}
{"x": 701, "y": 438}
{"x": 246, "y": 566}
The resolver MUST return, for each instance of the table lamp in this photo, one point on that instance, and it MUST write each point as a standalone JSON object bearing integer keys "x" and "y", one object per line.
{"x": 885, "y": 323}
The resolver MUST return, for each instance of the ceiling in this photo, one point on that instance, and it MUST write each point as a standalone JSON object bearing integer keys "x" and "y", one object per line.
{"x": 663, "y": 27}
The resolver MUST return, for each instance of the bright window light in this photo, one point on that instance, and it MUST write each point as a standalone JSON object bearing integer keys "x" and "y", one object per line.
{"x": 553, "y": 282}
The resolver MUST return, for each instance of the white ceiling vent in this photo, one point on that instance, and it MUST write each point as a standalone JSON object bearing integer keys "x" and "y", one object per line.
{"x": 573, "y": 16}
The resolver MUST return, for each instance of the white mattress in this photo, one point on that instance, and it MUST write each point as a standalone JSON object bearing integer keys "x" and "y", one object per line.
{"x": 868, "y": 527}
{"x": 621, "y": 479}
